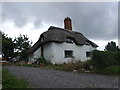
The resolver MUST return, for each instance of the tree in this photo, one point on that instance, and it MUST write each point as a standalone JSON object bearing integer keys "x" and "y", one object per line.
{"x": 0, "y": 42}
{"x": 111, "y": 46}
{"x": 22, "y": 44}
{"x": 7, "y": 46}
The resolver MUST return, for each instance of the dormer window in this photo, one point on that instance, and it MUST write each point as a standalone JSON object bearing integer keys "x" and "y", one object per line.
{"x": 69, "y": 40}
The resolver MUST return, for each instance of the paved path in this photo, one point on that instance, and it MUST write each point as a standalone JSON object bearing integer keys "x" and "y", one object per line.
{"x": 47, "y": 78}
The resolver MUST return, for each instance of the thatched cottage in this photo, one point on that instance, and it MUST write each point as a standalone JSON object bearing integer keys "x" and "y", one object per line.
{"x": 62, "y": 45}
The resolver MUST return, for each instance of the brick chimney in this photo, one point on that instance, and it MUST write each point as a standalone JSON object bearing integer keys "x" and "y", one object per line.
{"x": 68, "y": 24}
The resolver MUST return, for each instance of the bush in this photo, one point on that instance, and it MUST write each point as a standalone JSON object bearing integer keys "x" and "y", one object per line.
{"x": 111, "y": 70}
{"x": 87, "y": 64}
{"x": 104, "y": 59}
{"x": 41, "y": 60}
{"x": 117, "y": 57}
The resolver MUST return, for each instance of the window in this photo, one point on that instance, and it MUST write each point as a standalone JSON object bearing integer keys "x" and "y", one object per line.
{"x": 88, "y": 54}
{"x": 69, "y": 40}
{"x": 68, "y": 53}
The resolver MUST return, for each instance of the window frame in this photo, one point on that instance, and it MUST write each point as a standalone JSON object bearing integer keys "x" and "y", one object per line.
{"x": 68, "y": 53}
{"x": 88, "y": 54}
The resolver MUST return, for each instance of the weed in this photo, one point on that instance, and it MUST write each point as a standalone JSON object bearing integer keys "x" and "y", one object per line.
{"x": 10, "y": 81}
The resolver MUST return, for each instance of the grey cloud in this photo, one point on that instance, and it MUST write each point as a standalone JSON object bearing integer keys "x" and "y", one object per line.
{"x": 38, "y": 23}
{"x": 96, "y": 23}
{"x": 95, "y": 20}
{"x": 0, "y": 14}
{"x": 119, "y": 21}
{"x": 20, "y": 22}
{"x": 14, "y": 13}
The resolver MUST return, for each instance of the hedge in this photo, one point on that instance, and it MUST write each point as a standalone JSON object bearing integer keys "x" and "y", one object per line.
{"x": 104, "y": 59}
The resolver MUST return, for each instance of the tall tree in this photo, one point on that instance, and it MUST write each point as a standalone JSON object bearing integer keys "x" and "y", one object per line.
{"x": 111, "y": 46}
{"x": 7, "y": 46}
{"x": 22, "y": 44}
{"x": 0, "y": 42}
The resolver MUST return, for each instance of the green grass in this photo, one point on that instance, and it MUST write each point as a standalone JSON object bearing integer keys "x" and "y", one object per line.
{"x": 10, "y": 81}
{"x": 27, "y": 65}
{"x": 65, "y": 67}
{"x": 0, "y": 75}
{"x": 111, "y": 70}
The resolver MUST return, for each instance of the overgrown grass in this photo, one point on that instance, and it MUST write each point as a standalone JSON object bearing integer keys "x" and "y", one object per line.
{"x": 66, "y": 67}
{"x": 81, "y": 67}
{"x": 29, "y": 65}
{"x": 111, "y": 70}
{"x": 10, "y": 81}
{"x": 7, "y": 64}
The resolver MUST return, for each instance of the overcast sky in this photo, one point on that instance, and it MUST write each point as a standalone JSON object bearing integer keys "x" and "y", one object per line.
{"x": 97, "y": 21}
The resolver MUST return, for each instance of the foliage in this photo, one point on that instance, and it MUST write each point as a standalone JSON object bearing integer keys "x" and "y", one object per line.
{"x": 108, "y": 57}
{"x": 66, "y": 67}
{"x": 88, "y": 64}
{"x": 22, "y": 44}
{"x": 111, "y": 70}
{"x": 118, "y": 56}
{"x": 10, "y": 81}
{"x": 7, "y": 46}
{"x": 16, "y": 47}
{"x": 111, "y": 46}
{"x": 29, "y": 65}
{"x": 41, "y": 60}
{"x": 104, "y": 59}
{"x": 0, "y": 41}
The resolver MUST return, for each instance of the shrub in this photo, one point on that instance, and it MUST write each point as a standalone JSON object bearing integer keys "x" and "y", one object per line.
{"x": 117, "y": 56}
{"x": 104, "y": 59}
{"x": 111, "y": 70}
{"x": 87, "y": 64}
{"x": 41, "y": 60}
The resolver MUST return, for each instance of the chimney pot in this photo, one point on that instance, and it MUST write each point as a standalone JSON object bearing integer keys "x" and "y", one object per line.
{"x": 68, "y": 23}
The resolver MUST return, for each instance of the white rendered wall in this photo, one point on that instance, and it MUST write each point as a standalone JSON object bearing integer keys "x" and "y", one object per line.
{"x": 37, "y": 53}
{"x": 54, "y": 52}
{"x": 48, "y": 52}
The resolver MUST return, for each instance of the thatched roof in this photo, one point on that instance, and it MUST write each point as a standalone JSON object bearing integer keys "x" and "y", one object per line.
{"x": 56, "y": 34}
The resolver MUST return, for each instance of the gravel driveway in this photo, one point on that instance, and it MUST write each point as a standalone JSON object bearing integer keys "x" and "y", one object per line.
{"x": 47, "y": 78}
